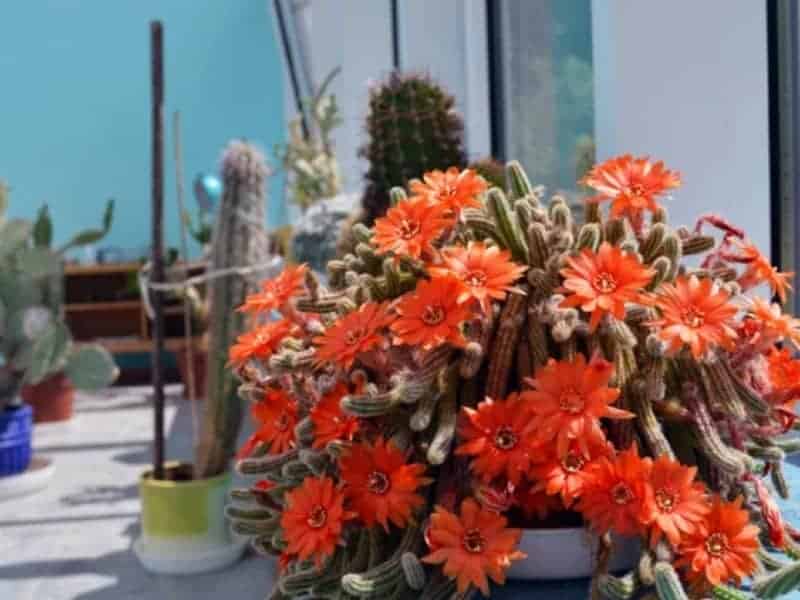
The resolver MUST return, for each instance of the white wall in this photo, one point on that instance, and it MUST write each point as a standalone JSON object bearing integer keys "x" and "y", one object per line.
{"x": 355, "y": 35}
{"x": 686, "y": 82}
{"x": 448, "y": 40}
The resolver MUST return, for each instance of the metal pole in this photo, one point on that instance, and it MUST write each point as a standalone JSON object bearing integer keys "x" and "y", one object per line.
{"x": 157, "y": 191}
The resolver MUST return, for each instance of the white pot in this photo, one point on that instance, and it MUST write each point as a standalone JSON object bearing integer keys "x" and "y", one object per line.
{"x": 568, "y": 553}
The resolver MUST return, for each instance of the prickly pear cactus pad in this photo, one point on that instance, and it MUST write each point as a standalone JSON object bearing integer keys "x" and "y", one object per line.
{"x": 484, "y": 362}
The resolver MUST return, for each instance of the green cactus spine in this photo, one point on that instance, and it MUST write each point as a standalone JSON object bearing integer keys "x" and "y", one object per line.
{"x": 239, "y": 239}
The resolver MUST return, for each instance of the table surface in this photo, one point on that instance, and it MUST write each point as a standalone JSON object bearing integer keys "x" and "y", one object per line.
{"x": 73, "y": 540}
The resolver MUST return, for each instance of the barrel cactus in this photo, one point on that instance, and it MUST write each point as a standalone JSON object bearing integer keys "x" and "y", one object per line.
{"x": 239, "y": 239}
{"x": 485, "y": 357}
{"x": 412, "y": 127}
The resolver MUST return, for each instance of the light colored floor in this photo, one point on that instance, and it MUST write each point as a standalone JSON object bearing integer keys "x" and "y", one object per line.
{"x": 73, "y": 540}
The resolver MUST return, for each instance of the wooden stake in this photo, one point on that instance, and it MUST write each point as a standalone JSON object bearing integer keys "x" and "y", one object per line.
{"x": 157, "y": 191}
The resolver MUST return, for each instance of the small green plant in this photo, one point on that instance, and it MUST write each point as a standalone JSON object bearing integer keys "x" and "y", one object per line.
{"x": 35, "y": 342}
{"x": 308, "y": 158}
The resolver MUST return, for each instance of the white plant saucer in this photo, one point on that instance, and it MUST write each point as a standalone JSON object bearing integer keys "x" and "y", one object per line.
{"x": 190, "y": 563}
{"x": 33, "y": 479}
{"x": 568, "y": 553}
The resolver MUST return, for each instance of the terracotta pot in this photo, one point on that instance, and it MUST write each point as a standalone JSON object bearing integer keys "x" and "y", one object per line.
{"x": 200, "y": 359}
{"x": 52, "y": 399}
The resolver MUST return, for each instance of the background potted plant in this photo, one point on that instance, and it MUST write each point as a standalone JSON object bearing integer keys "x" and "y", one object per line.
{"x": 62, "y": 367}
{"x": 183, "y": 524}
{"x": 34, "y": 342}
{"x": 314, "y": 182}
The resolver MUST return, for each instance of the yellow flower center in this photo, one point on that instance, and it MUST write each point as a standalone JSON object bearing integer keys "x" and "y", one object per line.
{"x": 378, "y": 483}
{"x": 621, "y": 493}
{"x": 475, "y": 279}
{"x": 571, "y": 401}
{"x": 433, "y": 315}
{"x": 474, "y": 542}
{"x": 693, "y": 317}
{"x": 353, "y": 336}
{"x": 317, "y": 517}
{"x": 666, "y": 500}
{"x": 409, "y": 229}
{"x": 282, "y": 422}
{"x": 573, "y": 462}
{"x": 505, "y": 438}
{"x": 717, "y": 544}
{"x": 604, "y": 282}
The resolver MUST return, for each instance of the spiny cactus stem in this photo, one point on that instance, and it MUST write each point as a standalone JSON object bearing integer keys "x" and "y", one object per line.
{"x": 503, "y": 349}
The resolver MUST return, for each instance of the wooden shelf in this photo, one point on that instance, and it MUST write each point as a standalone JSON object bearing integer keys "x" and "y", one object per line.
{"x": 137, "y": 345}
{"x": 103, "y": 306}
{"x": 101, "y": 269}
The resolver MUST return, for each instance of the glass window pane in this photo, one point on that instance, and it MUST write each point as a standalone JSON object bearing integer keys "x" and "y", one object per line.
{"x": 544, "y": 54}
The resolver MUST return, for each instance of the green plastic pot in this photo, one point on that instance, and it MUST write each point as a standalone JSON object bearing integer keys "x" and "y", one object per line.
{"x": 184, "y": 529}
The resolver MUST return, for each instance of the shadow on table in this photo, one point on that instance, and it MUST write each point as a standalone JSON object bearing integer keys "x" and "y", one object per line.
{"x": 101, "y": 494}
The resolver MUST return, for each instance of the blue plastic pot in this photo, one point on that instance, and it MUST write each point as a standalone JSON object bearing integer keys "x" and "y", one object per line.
{"x": 16, "y": 425}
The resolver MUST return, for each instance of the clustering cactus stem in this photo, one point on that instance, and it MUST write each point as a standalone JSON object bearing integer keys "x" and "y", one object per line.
{"x": 592, "y": 299}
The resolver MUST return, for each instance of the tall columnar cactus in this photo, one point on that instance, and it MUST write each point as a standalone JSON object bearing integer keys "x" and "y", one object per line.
{"x": 644, "y": 392}
{"x": 412, "y": 127}
{"x": 239, "y": 240}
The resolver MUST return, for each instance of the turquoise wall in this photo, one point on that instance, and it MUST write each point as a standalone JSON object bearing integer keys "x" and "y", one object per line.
{"x": 74, "y": 103}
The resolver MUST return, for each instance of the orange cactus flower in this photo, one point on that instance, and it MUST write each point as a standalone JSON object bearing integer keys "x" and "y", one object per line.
{"x": 695, "y": 313}
{"x": 722, "y": 548}
{"x": 472, "y": 545}
{"x": 567, "y": 476}
{"x": 276, "y": 417}
{"x": 330, "y": 422}
{"x": 276, "y": 292}
{"x": 680, "y": 501}
{"x": 498, "y": 435}
{"x": 784, "y": 376}
{"x": 569, "y": 399}
{"x": 260, "y": 343}
{"x": 631, "y": 184}
{"x": 313, "y": 519}
{"x": 760, "y": 271}
{"x": 774, "y": 325}
{"x": 410, "y": 228}
{"x": 452, "y": 189}
{"x": 487, "y": 272}
{"x": 603, "y": 282}
{"x": 619, "y": 496}
{"x": 535, "y": 502}
{"x": 431, "y": 315}
{"x": 380, "y": 485}
{"x": 353, "y": 334}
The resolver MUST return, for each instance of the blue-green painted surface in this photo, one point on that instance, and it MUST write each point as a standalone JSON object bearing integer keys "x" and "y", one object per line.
{"x": 74, "y": 103}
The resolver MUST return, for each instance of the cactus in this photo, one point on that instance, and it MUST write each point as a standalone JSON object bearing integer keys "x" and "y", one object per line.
{"x": 239, "y": 239}
{"x": 34, "y": 340}
{"x": 778, "y": 583}
{"x": 413, "y": 128}
{"x": 493, "y": 171}
{"x": 668, "y": 584}
{"x": 711, "y": 410}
